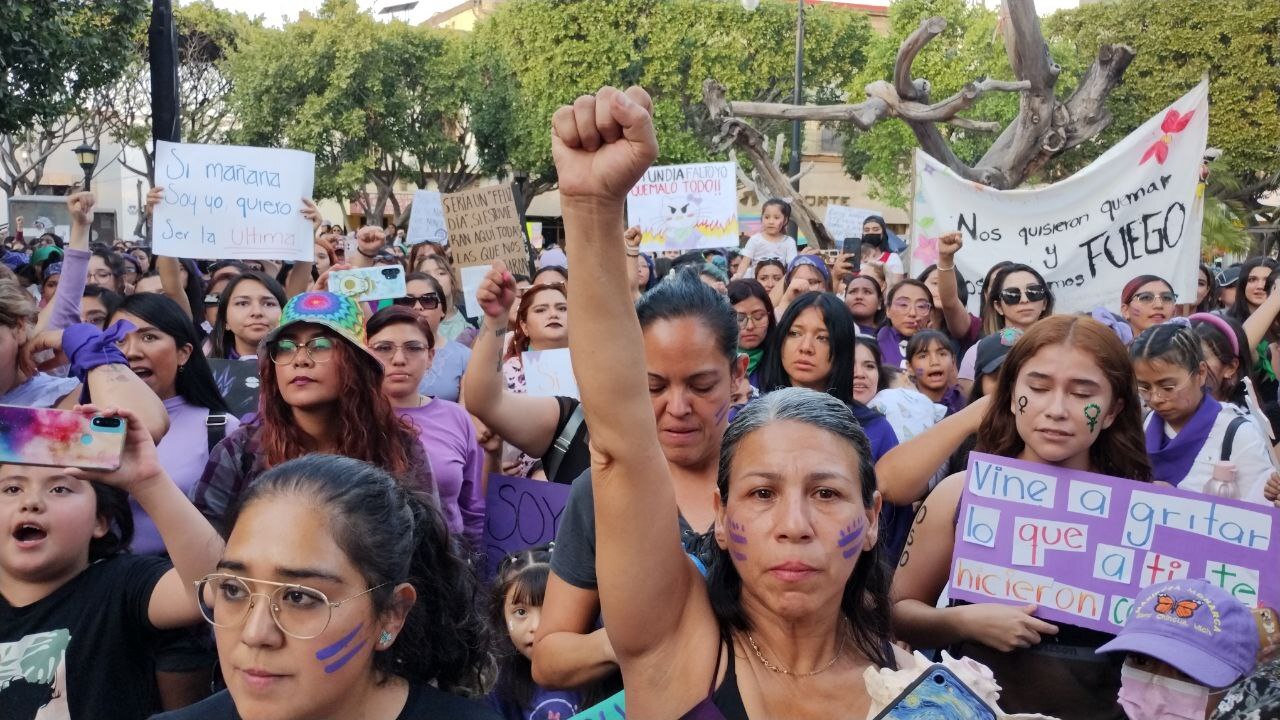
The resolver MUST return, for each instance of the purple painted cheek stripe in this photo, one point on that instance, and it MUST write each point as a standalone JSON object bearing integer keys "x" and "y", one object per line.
{"x": 327, "y": 652}
{"x": 737, "y": 536}
{"x": 336, "y": 665}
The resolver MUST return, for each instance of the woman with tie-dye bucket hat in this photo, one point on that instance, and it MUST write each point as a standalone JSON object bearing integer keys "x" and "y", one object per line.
{"x": 321, "y": 393}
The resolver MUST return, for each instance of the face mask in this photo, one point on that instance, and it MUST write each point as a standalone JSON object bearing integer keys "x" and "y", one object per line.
{"x": 1145, "y": 696}
{"x": 872, "y": 239}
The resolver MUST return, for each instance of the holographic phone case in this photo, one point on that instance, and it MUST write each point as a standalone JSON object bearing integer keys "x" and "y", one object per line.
{"x": 384, "y": 282}
{"x": 60, "y": 438}
{"x": 937, "y": 695}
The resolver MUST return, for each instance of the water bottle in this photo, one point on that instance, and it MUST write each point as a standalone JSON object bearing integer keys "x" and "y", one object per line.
{"x": 1223, "y": 482}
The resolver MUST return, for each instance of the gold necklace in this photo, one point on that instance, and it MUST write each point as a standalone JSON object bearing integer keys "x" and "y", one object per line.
{"x": 783, "y": 671}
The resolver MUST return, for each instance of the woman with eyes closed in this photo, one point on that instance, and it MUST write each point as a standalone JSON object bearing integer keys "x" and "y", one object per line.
{"x": 402, "y": 342}
{"x": 1066, "y": 397}
{"x": 1018, "y": 297}
{"x": 340, "y": 595}
{"x": 792, "y": 612}
{"x": 321, "y": 392}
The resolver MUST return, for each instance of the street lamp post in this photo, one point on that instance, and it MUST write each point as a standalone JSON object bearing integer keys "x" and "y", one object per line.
{"x": 521, "y": 187}
{"x": 798, "y": 98}
{"x": 88, "y": 158}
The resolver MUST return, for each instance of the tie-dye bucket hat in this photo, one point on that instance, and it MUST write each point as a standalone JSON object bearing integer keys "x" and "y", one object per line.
{"x": 340, "y": 314}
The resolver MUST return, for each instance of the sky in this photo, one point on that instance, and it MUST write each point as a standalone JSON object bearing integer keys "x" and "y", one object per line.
{"x": 281, "y": 9}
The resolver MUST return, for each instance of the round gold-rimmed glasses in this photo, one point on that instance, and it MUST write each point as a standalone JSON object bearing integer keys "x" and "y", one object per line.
{"x": 299, "y": 611}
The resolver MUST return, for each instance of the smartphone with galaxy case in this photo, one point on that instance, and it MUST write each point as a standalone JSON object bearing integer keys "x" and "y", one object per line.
{"x": 383, "y": 282}
{"x": 60, "y": 438}
{"x": 937, "y": 695}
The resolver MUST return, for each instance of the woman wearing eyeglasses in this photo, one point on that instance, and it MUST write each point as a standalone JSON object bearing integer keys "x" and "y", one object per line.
{"x": 403, "y": 341}
{"x": 321, "y": 392}
{"x": 909, "y": 307}
{"x": 448, "y": 361}
{"x": 1019, "y": 297}
{"x": 1147, "y": 300}
{"x": 340, "y": 595}
{"x": 756, "y": 322}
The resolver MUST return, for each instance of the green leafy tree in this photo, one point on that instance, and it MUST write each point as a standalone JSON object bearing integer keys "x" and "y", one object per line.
{"x": 206, "y": 36}
{"x": 374, "y": 102}
{"x": 547, "y": 52}
{"x": 55, "y": 53}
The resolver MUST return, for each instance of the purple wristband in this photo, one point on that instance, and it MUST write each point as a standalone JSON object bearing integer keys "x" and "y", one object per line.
{"x": 88, "y": 347}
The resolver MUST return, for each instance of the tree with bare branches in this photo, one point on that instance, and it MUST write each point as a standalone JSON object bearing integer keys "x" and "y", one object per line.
{"x": 1045, "y": 126}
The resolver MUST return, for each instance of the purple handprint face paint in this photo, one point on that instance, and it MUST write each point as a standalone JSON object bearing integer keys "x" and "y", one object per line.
{"x": 737, "y": 539}
{"x": 849, "y": 537}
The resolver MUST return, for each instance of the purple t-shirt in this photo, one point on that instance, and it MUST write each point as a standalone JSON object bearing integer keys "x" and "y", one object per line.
{"x": 183, "y": 453}
{"x": 449, "y": 439}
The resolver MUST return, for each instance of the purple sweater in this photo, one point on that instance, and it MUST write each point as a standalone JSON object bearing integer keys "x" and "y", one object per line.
{"x": 457, "y": 461}
{"x": 66, "y": 299}
{"x": 182, "y": 452}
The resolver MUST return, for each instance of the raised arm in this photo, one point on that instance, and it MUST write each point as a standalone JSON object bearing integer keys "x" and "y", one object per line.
{"x": 1260, "y": 320}
{"x": 953, "y": 311}
{"x": 64, "y": 311}
{"x": 299, "y": 278}
{"x": 903, "y": 473}
{"x": 525, "y": 421}
{"x": 169, "y": 268}
{"x": 602, "y": 145}
{"x": 190, "y": 540}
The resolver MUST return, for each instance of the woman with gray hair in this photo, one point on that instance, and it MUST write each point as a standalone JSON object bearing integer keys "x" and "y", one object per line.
{"x": 795, "y": 607}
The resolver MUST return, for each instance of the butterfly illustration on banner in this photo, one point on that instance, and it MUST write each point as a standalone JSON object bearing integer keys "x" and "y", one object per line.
{"x": 1181, "y": 608}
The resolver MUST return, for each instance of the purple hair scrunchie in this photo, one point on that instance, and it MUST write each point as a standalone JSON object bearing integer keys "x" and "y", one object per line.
{"x": 88, "y": 347}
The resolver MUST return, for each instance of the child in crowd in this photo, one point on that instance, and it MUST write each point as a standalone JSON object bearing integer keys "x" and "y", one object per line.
{"x": 1194, "y": 441}
{"x": 772, "y": 241}
{"x": 932, "y": 357}
{"x": 516, "y": 605}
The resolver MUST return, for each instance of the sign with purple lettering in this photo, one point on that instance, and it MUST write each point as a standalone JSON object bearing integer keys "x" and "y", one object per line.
{"x": 520, "y": 513}
{"x": 1082, "y": 546}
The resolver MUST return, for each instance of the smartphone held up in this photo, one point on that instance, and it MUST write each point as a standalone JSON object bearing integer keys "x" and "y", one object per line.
{"x": 60, "y": 438}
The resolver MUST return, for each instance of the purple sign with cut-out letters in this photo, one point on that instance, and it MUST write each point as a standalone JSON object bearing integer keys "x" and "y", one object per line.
{"x": 1082, "y": 546}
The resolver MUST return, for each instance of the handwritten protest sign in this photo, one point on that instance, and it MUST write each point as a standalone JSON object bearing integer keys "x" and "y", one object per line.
{"x": 1082, "y": 546}
{"x": 426, "y": 222}
{"x": 232, "y": 202}
{"x": 519, "y": 514}
{"x": 549, "y": 373}
{"x": 686, "y": 207}
{"x": 484, "y": 225}
{"x": 845, "y": 222}
{"x": 1136, "y": 209}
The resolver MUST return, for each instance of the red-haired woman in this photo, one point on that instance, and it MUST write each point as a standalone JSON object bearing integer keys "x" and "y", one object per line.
{"x": 1067, "y": 398}
{"x": 541, "y": 323}
{"x": 321, "y": 393}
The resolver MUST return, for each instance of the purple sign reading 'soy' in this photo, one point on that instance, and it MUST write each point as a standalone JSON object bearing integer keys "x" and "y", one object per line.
{"x": 1082, "y": 546}
{"x": 520, "y": 513}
